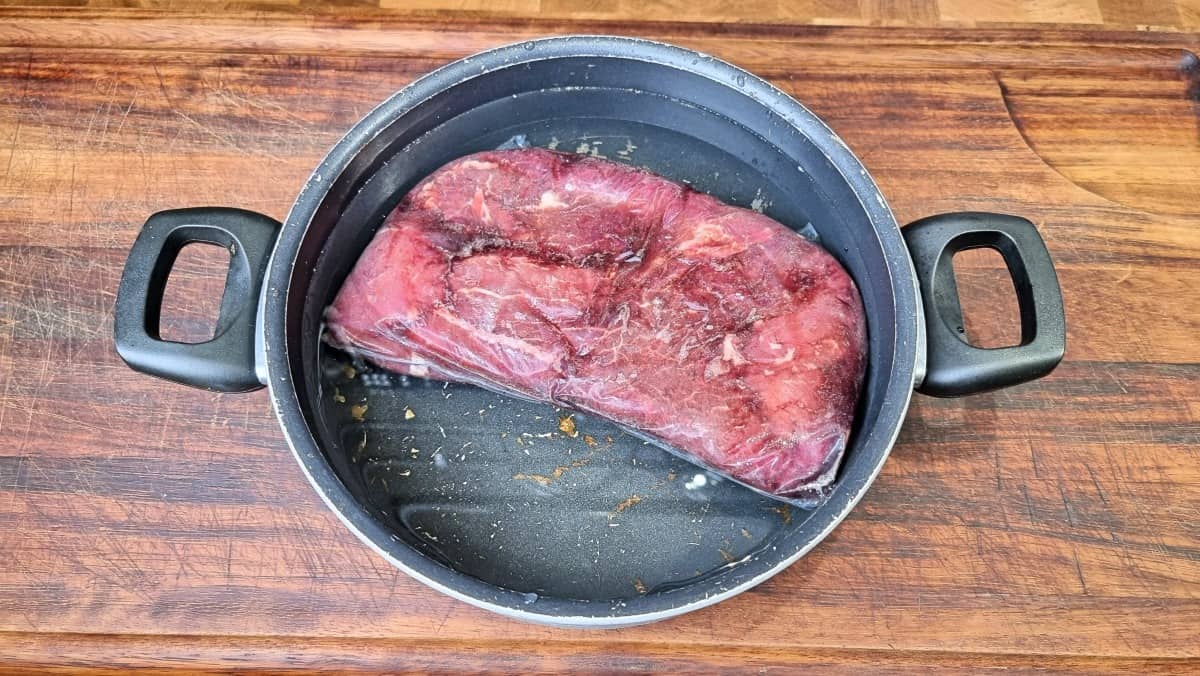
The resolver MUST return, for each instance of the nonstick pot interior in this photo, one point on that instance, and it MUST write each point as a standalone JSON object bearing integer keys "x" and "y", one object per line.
{"x": 487, "y": 497}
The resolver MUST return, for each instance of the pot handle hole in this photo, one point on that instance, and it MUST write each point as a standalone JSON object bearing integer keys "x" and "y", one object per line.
{"x": 227, "y": 362}
{"x": 953, "y": 366}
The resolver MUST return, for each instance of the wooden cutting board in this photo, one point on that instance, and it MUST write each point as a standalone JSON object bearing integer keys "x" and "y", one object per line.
{"x": 1050, "y": 526}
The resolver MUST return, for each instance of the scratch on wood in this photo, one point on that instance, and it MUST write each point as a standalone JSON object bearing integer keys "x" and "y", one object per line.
{"x": 8, "y": 379}
{"x": 996, "y": 465}
{"x": 162, "y": 87}
{"x": 1079, "y": 570}
{"x": 17, "y": 486}
{"x": 1028, "y": 505}
{"x": 223, "y": 139}
{"x": 12, "y": 148}
{"x": 1096, "y": 483}
{"x": 442, "y": 624}
{"x": 291, "y": 119}
{"x": 107, "y": 115}
{"x": 1108, "y": 372}
{"x": 167, "y": 419}
{"x": 17, "y": 131}
{"x": 125, "y": 115}
{"x": 1066, "y": 505}
{"x": 71, "y": 193}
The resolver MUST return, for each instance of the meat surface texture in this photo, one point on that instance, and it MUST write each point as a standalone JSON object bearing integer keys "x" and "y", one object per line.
{"x": 593, "y": 285}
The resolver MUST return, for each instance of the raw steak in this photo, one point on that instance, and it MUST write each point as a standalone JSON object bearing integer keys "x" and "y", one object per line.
{"x": 608, "y": 289}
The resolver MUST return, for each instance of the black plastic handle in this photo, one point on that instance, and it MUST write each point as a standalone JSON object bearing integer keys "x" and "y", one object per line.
{"x": 953, "y": 366}
{"x": 225, "y": 363}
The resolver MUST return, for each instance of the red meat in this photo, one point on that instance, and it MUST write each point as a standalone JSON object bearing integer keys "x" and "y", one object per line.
{"x": 608, "y": 289}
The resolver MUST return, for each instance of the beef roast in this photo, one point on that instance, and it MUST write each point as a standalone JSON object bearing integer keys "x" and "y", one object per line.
{"x": 604, "y": 288}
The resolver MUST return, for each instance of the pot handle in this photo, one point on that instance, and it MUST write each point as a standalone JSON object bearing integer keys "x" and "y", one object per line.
{"x": 225, "y": 363}
{"x": 954, "y": 367}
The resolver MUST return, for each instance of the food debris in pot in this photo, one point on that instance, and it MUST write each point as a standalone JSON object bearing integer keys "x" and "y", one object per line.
{"x": 556, "y": 474}
{"x": 566, "y": 425}
{"x": 784, "y": 511}
{"x": 626, "y": 504}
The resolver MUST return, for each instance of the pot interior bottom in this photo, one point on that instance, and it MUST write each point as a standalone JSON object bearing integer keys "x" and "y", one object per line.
{"x": 495, "y": 488}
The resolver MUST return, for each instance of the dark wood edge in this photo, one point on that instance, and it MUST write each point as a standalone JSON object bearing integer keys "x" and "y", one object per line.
{"x": 872, "y": 38}
{"x": 300, "y": 654}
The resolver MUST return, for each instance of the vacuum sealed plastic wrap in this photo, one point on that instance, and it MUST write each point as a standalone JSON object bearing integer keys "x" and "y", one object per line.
{"x": 713, "y": 330}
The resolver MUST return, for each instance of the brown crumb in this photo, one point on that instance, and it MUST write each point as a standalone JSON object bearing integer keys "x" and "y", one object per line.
{"x": 408, "y": 413}
{"x": 671, "y": 475}
{"x": 726, "y": 555}
{"x": 556, "y": 474}
{"x": 587, "y": 439}
{"x": 608, "y": 439}
{"x": 566, "y": 425}
{"x": 349, "y": 372}
{"x": 535, "y": 478}
{"x": 784, "y": 511}
{"x": 357, "y": 411}
{"x": 626, "y": 504}
{"x": 747, "y": 534}
{"x": 639, "y": 585}
{"x": 338, "y": 396}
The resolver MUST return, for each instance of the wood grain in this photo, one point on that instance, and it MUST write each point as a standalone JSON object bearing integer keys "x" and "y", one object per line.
{"x": 1053, "y": 526}
{"x": 120, "y": 655}
{"x": 1159, "y": 15}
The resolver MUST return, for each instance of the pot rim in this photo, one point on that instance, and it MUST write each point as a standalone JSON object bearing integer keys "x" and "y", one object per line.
{"x": 907, "y": 359}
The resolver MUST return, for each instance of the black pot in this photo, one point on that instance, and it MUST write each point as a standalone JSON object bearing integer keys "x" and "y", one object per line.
{"x": 619, "y": 533}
